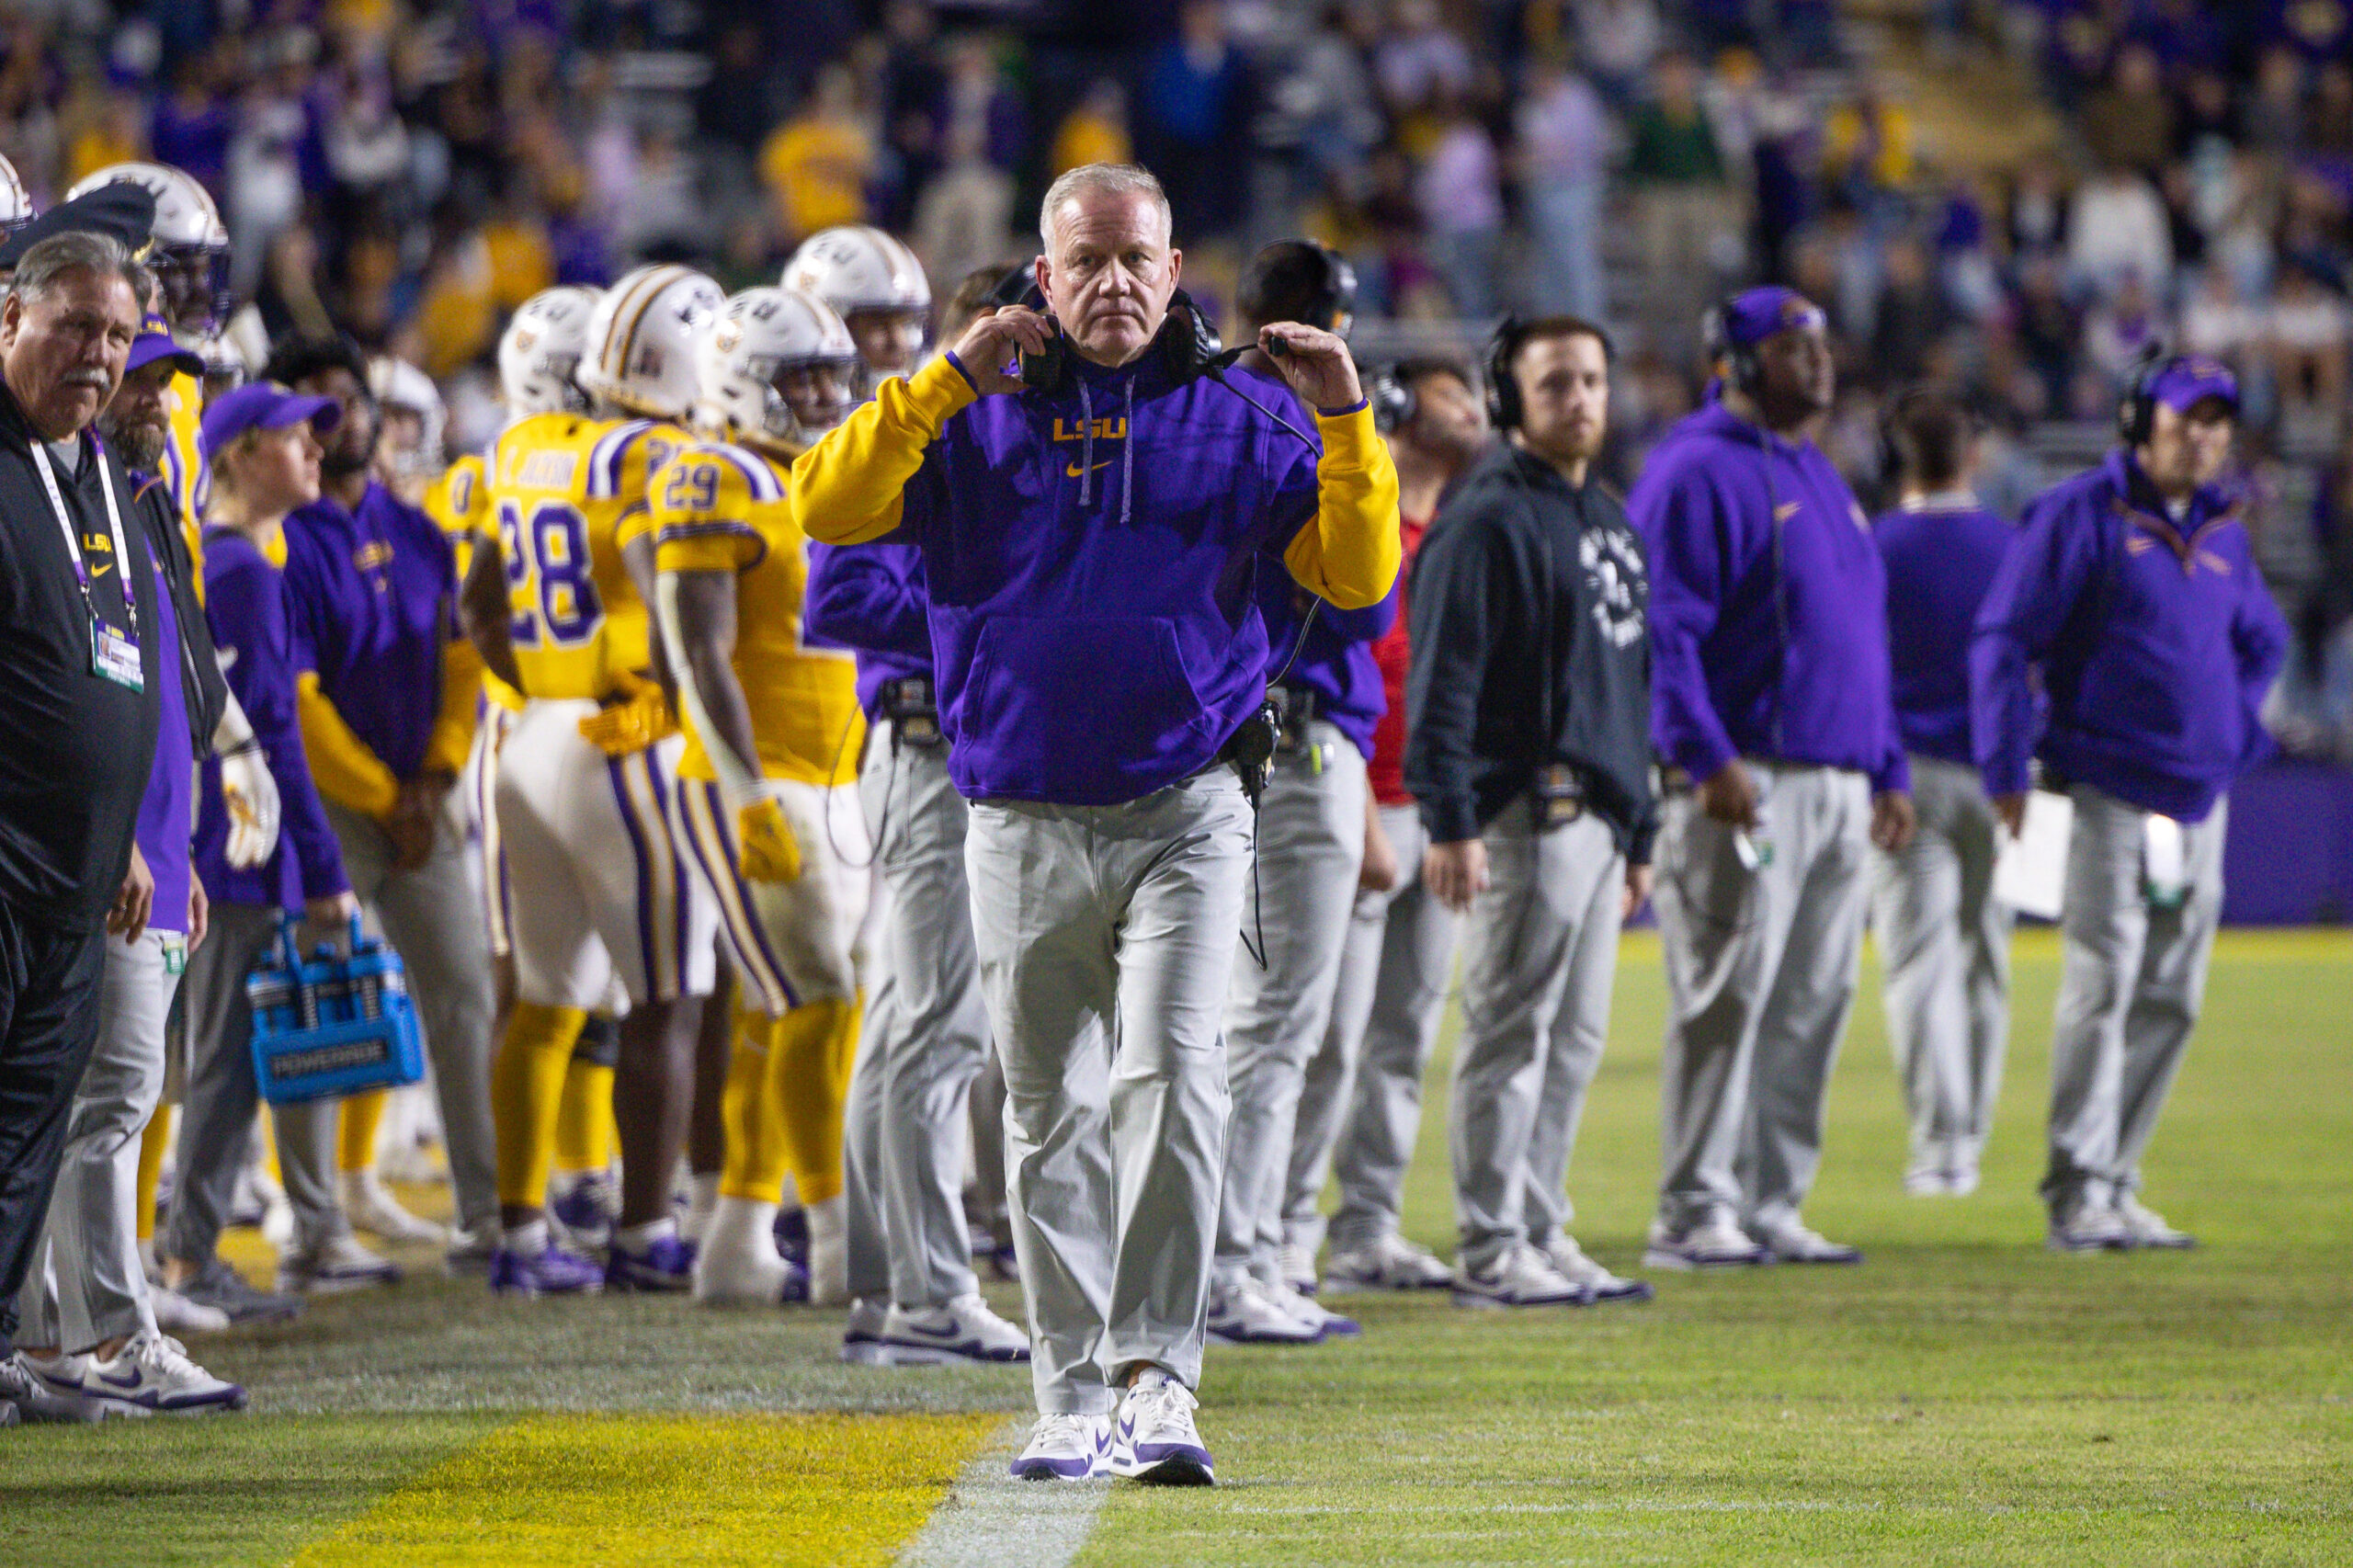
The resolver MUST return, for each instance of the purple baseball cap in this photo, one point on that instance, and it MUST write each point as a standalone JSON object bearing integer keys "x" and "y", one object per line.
{"x": 155, "y": 342}
{"x": 2190, "y": 379}
{"x": 1754, "y": 314}
{"x": 264, "y": 405}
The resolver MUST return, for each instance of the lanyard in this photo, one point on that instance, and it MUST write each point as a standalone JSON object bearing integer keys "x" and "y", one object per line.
{"x": 73, "y": 538}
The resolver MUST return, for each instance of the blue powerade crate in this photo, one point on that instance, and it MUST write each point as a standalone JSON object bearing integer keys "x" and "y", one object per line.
{"x": 333, "y": 1025}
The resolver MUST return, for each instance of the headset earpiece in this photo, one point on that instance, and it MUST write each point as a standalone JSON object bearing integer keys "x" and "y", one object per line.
{"x": 1504, "y": 406}
{"x": 1716, "y": 341}
{"x": 1393, "y": 403}
{"x": 2136, "y": 416}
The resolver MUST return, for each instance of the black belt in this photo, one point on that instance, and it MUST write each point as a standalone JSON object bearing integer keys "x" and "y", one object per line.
{"x": 913, "y": 708}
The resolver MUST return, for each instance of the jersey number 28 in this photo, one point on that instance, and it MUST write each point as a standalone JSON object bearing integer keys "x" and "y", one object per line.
{"x": 550, "y": 547}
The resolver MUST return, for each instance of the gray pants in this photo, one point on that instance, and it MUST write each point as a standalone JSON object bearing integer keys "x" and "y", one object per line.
{"x": 1540, "y": 955}
{"x": 931, "y": 1044}
{"x": 432, "y": 916}
{"x": 1360, "y": 1107}
{"x": 1760, "y": 974}
{"x": 865, "y": 1208}
{"x": 217, "y": 1110}
{"x": 1944, "y": 944}
{"x": 1311, "y": 847}
{"x": 1106, "y": 942}
{"x": 87, "y": 1285}
{"x": 2130, "y": 988}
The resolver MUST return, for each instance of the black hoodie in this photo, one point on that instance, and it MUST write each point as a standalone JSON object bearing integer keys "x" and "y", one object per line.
{"x": 1528, "y": 607}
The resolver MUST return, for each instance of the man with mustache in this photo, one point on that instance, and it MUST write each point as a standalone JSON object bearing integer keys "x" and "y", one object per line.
{"x": 1090, "y": 533}
{"x": 79, "y": 636}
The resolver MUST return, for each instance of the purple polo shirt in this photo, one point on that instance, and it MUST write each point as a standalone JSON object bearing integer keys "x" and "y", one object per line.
{"x": 372, "y": 593}
{"x": 165, "y": 809}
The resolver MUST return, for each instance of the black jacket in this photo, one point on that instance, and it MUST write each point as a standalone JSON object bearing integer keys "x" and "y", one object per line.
{"x": 204, "y": 690}
{"x": 1529, "y": 608}
{"x": 75, "y": 748}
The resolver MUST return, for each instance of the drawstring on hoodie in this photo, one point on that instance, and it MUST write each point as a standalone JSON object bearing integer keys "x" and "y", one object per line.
{"x": 1087, "y": 450}
{"x": 1127, "y": 449}
{"x": 1128, "y": 453}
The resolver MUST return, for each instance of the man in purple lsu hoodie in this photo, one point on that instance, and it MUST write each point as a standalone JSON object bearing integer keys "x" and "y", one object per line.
{"x": 2134, "y": 588}
{"x": 1091, "y": 543}
{"x": 1770, "y": 702}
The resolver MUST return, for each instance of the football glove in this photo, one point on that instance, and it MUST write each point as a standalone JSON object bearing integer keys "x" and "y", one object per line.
{"x": 637, "y": 721}
{"x": 764, "y": 842}
{"x": 250, "y": 795}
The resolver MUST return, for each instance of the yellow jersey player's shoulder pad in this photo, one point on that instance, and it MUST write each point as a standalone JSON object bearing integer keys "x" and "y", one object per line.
{"x": 629, "y": 451}
{"x": 708, "y": 473}
{"x": 540, "y": 452}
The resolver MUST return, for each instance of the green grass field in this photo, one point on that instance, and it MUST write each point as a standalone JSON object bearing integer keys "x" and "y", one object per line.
{"x": 1965, "y": 1397}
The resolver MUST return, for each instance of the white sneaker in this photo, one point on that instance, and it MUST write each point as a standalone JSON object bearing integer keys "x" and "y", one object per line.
{"x": 2085, "y": 1227}
{"x": 738, "y": 1264}
{"x": 40, "y": 1388}
{"x": 1299, "y": 1267}
{"x": 1523, "y": 1277}
{"x": 1962, "y": 1180}
{"x": 1154, "y": 1439}
{"x": 963, "y": 1330}
{"x": 174, "y": 1313}
{"x": 2148, "y": 1227}
{"x": 1929, "y": 1181}
{"x": 1245, "y": 1313}
{"x": 1065, "y": 1448}
{"x": 371, "y": 1209}
{"x": 828, "y": 1252}
{"x": 1393, "y": 1262}
{"x": 1570, "y": 1262}
{"x": 862, "y": 1336}
{"x": 1793, "y": 1242}
{"x": 341, "y": 1265}
{"x": 1715, "y": 1242}
{"x": 152, "y": 1375}
{"x": 1328, "y": 1324}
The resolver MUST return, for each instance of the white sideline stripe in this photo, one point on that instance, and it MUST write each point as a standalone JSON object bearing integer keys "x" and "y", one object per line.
{"x": 988, "y": 1518}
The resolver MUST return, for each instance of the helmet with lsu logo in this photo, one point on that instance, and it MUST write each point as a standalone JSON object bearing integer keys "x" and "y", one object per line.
{"x": 641, "y": 350}
{"x": 540, "y": 353}
{"x": 775, "y": 367}
{"x": 16, "y": 202}
{"x": 191, "y": 246}
{"x": 876, "y": 286}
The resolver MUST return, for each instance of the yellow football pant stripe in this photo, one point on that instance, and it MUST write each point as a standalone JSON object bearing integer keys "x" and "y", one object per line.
{"x": 705, "y": 1491}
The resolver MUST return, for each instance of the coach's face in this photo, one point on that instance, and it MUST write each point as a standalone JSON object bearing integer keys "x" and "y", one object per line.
{"x": 136, "y": 424}
{"x": 1109, "y": 273}
{"x": 65, "y": 348}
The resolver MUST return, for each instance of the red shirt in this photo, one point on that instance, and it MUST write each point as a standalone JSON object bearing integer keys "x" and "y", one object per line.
{"x": 1387, "y": 771}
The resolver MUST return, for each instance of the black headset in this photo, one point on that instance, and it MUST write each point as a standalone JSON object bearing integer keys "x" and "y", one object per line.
{"x": 2136, "y": 416}
{"x": 1504, "y": 406}
{"x": 1334, "y": 291}
{"x": 1188, "y": 342}
{"x": 1394, "y": 402}
{"x": 1717, "y": 342}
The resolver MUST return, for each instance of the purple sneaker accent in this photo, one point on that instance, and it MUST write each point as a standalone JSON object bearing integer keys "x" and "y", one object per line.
{"x": 581, "y": 1211}
{"x": 666, "y": 1266}
{"x": 552, "y": 1273}
{"x": 793, "y": 1236}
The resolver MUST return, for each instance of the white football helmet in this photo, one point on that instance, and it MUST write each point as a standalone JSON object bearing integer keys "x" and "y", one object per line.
{"x": 191, "y": 255}
{"x": 226, "y": 366}
{"x": 396, "y": 384}
{"x": 858, "y": 268}
{"x": 742, "y": 357}
{"x": 641, "y": 350}
{"x": 16, "y": 202}
{"x": 540, "y": 353}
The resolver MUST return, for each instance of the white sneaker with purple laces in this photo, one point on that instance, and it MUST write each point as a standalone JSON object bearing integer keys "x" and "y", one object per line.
{"x": 1154, "y": 1439}
{"x": 1065, "y": 1448}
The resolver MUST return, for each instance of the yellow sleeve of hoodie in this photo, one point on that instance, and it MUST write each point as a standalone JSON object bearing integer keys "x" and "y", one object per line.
{"x": 342, "y": 767}
{"x": 453, "y": 728}
{"x": 850, "y": 487}
{"x": 1350, "y": 553}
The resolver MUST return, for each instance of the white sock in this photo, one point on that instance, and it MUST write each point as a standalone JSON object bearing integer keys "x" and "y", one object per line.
{"x": 641, "y": 1238}
{"x": 529, "y": 1239}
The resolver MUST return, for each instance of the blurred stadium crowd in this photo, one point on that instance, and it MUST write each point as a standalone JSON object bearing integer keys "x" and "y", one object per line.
{"x": 2182, "y": 171}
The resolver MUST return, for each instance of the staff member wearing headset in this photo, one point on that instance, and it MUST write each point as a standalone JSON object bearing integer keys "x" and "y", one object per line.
{"x": 1090, "y": 530}
{"x": 1528, "y": 747}
{"x": 1771, "y": 703}
{"x": 2134, "y": 587}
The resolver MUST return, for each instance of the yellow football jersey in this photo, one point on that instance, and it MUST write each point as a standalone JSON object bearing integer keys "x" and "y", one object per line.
{"x": 184, "y": 467}
{"x": 458, "y": 503}
{"x": 716, "y": 507}
{"x": 560, "y": 487}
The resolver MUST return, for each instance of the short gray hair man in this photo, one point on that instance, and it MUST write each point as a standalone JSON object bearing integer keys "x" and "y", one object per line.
{"x": 1117, "y": 179}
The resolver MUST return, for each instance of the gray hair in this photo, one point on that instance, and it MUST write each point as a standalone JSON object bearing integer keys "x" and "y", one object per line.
{"x": 76, "y": 250}
{"x": 1123, "y": 179}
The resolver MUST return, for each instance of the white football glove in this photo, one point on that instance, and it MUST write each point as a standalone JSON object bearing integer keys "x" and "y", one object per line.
{"x": 247, "y": 791}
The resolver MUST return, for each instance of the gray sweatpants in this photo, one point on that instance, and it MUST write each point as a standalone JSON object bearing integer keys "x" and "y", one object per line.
{"x": 432, "y": 916}
{"x": 1311, "y": 846}
{"x": 1944, "y": 942}
{"x": 1360, "y": 1109}
{"x": 1106, "y": 937}
{"x": 2129, "y": 987}
{"x": 87, "y": 1285}
{"x": 217, "y": 1110}
{"x": 931, "y": 1044}
{"x": 1540, "y": 955}
{"x": 1760, "y": 974}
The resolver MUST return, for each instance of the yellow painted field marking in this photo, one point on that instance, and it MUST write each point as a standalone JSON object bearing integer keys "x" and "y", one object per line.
{"x": 583, "y": 1491}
